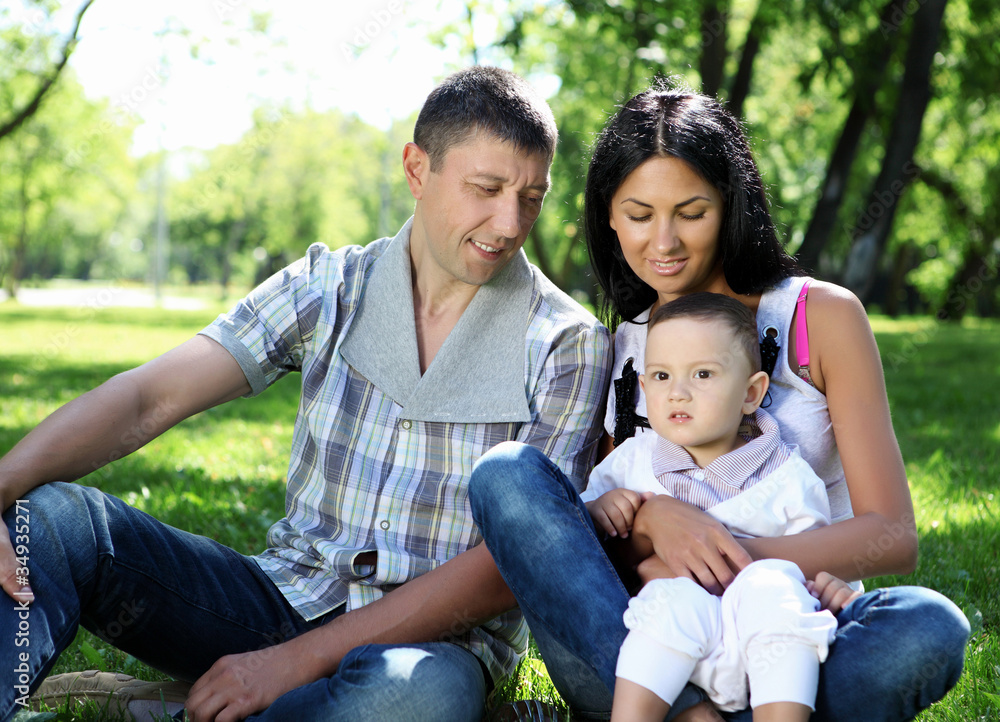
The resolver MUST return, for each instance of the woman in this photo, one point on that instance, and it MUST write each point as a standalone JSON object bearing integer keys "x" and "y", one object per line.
{"x": 675, "y": 204}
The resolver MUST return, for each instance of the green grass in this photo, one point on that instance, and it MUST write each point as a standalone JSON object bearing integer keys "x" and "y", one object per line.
{"x": 222, "y": 474}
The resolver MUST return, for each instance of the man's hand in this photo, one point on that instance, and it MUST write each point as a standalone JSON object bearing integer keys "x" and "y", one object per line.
{"x": 689, "y": 543}
{"x": 239, "y": 685}
{"x": 614, "y": 511}
{"x": 832, "y": 592}
{"x": 13, "y": 576}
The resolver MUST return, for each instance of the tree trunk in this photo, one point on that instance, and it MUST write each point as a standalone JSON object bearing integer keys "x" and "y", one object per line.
{"x": 20, "y": 250}
{"x": 542, "y": 256}
{"x": 831, "y": 197}
{"x": 740, "y": 87}
{"x": 902, "y": 265}
{"x": 978, "y": 270}
{"x": 712, "y": 64}
{"x": 234, "y": 239}
{"x": 875, "y": 222}
{"x": 968, "y": 284}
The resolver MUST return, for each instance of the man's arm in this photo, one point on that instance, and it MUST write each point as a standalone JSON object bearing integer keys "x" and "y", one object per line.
{"x": 113, "y": 420}
{"x": 455, "y": 597}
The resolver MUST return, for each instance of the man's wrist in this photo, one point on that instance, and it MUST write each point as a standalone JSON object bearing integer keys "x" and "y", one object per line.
{"x": 318, "y": 651}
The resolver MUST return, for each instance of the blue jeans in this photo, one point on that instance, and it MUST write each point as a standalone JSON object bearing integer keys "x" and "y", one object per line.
{"x": 179, "y": 602}
{"x": 897, "y": 650}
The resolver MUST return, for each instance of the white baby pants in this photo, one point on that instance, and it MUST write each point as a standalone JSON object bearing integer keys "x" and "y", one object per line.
{"x": 765, "y": 632}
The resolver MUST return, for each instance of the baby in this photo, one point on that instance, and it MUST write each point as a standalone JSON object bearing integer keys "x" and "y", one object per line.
{"x": 762, "y": 642}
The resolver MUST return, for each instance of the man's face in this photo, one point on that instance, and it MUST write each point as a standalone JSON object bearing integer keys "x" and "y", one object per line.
{"x": 696, "y": 383}
{"x": 474, "y": 213}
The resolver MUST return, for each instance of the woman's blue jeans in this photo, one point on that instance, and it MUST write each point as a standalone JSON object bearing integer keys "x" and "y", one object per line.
{"x": 897, "y": 651}
{"x": 179, "y": 602}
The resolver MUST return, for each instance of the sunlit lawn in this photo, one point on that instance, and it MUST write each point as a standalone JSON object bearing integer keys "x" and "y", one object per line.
{"x": 222, "y": 473}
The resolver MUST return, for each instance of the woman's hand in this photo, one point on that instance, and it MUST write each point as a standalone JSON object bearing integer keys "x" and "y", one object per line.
{"x": 688, "y": 543}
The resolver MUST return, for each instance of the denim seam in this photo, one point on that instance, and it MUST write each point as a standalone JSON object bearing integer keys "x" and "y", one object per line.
{"x": 875, "y": 606}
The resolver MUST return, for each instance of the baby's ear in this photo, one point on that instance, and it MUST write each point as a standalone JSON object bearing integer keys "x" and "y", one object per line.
{"x": 756, "y": 388}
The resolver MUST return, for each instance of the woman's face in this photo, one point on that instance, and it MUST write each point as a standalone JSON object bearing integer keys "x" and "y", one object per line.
{"x": 667, "y": 218}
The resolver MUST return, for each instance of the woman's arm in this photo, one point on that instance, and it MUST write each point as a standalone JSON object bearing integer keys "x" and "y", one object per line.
{"x": 881, "y": 538}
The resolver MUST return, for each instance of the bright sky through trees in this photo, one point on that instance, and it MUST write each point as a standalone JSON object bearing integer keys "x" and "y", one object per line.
{"x": 193, "y": 70}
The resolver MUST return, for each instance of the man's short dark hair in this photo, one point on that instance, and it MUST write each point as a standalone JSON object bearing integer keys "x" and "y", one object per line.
{"x": 704, "y": 306}
{"x": 485, "y": 99}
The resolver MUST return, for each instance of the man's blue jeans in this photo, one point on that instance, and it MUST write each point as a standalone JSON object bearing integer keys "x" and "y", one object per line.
{"x": 179, "y": 602}
{"x": 897, "y": 650}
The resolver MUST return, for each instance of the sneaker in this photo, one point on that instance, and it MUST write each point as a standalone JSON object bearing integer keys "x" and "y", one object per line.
{"x": 112, "y": 690}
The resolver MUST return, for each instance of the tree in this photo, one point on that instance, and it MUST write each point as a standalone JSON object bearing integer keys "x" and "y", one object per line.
{"x": 14, "y": 38}
{"x": 65, "y": 182}
{"x": 835, "y": 97}
{"x": 868, "y": 78}
{"x": 897, "y": 166}
{"x": 292, "y": 180}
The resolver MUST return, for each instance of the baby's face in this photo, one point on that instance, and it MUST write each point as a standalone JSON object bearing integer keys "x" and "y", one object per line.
{"x": 696, "y": 382}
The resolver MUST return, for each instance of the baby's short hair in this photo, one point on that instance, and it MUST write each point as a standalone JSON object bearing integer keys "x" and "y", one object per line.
{"x": 704, "y": 306}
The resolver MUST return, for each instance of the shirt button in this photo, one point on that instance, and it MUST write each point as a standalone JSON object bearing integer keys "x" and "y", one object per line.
{"x": 699, "y": 475}
{"x": 384, "y": 524}
{"x": 406, "y": 424}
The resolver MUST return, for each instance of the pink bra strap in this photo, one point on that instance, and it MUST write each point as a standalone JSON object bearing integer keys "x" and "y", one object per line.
{"x": 801, "y": 331}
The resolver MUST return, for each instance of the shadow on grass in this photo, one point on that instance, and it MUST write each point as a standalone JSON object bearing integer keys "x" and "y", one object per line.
{"x": 943, "y": 398}
{"x": 48, "y": 384}
{"x": 233, "y": 510}
{"x": 42, "y": 379}
{"x": 962, "y": 561}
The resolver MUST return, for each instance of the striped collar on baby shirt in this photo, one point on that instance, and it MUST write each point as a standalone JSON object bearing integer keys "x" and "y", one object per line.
{"x": 735, "y": 468}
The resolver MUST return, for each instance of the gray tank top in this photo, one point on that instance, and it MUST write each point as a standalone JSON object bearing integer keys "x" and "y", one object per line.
{"x": 800, "y": 409}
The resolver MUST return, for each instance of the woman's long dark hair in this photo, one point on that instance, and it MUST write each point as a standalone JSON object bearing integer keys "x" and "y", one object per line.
{"x": 666, "y": 120}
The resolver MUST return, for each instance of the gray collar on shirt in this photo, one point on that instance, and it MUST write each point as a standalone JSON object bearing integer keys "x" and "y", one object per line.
{"x": 478, "y": 374}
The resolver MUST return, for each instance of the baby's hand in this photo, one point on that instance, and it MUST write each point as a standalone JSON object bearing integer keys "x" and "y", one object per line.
{"x": 614, "y": 511}
{"x": 833, "y": 593}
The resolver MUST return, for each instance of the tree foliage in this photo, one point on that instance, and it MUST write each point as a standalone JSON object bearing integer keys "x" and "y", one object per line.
{"x": 874, "y": 123}
{"x": 846, "y": 105}
{"x": 292, "y": 180}
{"x": 14, "y": 42}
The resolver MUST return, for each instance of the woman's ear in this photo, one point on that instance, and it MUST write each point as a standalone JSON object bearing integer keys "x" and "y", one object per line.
{"x": 756, "y": 388}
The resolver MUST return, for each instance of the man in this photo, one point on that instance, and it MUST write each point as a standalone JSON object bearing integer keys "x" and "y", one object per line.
{"x": 375, "y": 599}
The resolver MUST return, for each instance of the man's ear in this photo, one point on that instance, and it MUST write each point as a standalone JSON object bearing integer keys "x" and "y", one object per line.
{"x": 416, "y": 166}
{"x": 756, "y": 388}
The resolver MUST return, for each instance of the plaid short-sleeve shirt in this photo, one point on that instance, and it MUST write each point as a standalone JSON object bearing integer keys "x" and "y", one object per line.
{"x": 381, "y": 455}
